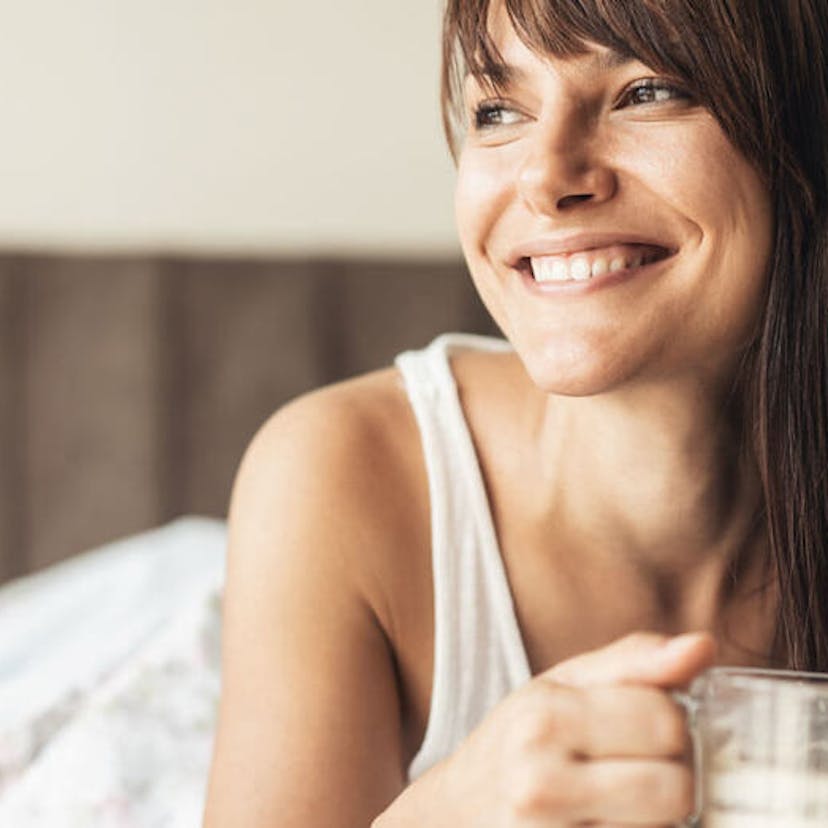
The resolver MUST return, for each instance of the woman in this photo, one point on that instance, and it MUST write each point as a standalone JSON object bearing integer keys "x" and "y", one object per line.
{"x": 461, "y": 589}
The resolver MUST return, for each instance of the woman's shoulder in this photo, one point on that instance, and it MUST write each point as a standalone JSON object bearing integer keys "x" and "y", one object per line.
{"x": 342, "y": 467}
{"x": 357, "y": 428}
{"x": 347, "y": 436}
{"x": 363, "y": 430}
{"x": 345, "y": 465}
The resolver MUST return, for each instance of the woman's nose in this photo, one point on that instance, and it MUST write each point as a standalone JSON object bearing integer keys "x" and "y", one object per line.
{"x": 563, "y": 168}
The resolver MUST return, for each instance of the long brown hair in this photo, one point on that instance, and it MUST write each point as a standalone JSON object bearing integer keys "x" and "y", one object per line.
{"x": 761, "y": 69}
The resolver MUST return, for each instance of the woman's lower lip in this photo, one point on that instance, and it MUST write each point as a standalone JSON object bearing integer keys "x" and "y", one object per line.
{"x": 578, "y": 288}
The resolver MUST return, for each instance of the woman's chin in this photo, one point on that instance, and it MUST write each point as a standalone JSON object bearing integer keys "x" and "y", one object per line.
{"x": 570, "y": 386}
{"x": 574, "y": 374}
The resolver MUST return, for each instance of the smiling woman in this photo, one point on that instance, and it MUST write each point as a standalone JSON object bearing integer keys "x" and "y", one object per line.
{"x": 461, "y": 589}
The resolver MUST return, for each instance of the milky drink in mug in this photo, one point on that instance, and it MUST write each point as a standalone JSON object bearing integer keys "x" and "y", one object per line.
{"x": 761, "y": 748}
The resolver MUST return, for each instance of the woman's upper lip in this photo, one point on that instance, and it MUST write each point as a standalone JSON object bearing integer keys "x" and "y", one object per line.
{"x": 579, "y": 242}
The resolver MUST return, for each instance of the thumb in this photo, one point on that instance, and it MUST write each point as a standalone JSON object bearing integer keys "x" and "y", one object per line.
{"x": 640, "y": 658}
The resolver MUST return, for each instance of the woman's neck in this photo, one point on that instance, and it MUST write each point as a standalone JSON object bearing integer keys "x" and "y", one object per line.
{"x": 656, "y": 475}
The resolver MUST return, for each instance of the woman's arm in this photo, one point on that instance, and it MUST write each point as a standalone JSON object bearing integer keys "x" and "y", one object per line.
{"x": 309, "y": 725}
{"x": 310, "y": 733}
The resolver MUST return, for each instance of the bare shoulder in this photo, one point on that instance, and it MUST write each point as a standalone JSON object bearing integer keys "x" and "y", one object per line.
{"x": 348, "y": 457}
{"x": 348, "y": 437}
{"x": 365, "y": 413}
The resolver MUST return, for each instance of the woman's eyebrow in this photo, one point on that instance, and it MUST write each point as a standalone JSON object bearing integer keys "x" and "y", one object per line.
{"x": 609, "y": 59}
{"x": 506, "y": 74}
{"x": 496, "y": 74}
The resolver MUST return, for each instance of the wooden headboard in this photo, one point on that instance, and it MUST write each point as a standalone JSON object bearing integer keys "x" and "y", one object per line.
{"x": 129, "y": 387}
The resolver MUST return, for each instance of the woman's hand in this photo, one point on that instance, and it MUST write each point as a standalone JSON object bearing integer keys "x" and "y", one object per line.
{"x": 596, "y": 740}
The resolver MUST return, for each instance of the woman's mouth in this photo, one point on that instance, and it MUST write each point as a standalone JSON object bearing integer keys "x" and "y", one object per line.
{"x": 589, "y": 264}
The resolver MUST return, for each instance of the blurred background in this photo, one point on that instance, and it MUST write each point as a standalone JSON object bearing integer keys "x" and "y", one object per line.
{"x": 207, "y": 208}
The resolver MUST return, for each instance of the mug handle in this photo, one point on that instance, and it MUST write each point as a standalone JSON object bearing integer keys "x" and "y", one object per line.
{"x": 691, "y": 707}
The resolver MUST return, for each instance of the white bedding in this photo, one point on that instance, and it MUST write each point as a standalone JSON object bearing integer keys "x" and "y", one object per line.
{"x": 109, "y": 680}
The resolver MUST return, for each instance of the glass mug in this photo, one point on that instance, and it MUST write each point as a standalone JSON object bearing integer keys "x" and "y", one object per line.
{"x": 760, "y": 744}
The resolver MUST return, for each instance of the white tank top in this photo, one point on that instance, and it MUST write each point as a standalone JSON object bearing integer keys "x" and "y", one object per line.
{"x": 479, "y": 655}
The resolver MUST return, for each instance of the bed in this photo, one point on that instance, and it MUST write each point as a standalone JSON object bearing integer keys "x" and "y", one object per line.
{"x": 109, "y": 682}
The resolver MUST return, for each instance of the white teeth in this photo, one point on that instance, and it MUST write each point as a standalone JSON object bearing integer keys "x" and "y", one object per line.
{"x": 560, "y": 272}
{"x": 600, "y": 267}
{"x": 579, "y": 269}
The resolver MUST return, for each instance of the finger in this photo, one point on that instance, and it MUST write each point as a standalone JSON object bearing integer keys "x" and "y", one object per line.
{"x": 634, "y": 792}
{"x": 619, "y": 721}
{"x": 626, "y": 722}
{"x": 647, "y": 658}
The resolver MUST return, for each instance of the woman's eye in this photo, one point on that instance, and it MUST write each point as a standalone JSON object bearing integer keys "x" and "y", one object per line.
{"x": 652, "y": 91}
{"x": 494, "y": 114}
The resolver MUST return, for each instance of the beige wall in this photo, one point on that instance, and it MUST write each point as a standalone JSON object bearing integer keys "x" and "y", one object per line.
{"x": 245, "y": 126}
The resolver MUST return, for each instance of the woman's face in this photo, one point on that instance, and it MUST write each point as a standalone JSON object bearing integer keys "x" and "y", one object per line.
{"x": 581, "y": 169}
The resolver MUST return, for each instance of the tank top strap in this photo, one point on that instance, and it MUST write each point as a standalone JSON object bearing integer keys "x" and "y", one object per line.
{"x": 479, "y": 655}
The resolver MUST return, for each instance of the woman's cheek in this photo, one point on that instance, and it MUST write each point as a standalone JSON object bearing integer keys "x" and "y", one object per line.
{"x": 481, "y": 194}
{"x": 658, "y": 159}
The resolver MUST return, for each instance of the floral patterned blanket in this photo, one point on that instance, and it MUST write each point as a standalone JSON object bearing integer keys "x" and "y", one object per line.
{"x": 109, "y": 683}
